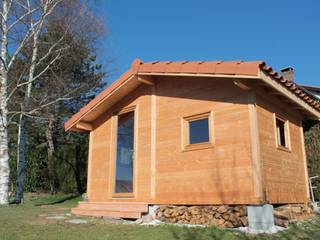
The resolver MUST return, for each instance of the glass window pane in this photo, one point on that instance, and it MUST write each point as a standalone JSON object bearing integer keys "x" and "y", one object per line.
{"x": 199, "y": 131}
{"x": 281, "y": 133}
{"x": 125, "y": 150}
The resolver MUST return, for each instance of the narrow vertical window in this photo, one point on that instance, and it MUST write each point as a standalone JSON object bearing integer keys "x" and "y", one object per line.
{"x": 282, "y": 135}
{"x": 125, "y": 153}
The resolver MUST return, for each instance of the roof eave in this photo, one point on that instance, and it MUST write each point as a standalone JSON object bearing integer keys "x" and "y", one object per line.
{"x": 269, "y": 80}
{"x": 96, "y": 102}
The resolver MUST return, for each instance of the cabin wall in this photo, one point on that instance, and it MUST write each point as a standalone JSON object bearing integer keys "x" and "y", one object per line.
{"x": 284, "y": 171}
{"x": 164, "y": 172}
{"x": 221, "y": 174}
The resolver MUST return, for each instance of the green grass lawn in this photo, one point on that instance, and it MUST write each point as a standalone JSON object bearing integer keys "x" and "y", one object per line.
{"x": 29, "y": 221}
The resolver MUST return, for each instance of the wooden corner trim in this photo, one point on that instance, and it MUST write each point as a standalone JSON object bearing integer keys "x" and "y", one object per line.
{"x": 257, "y": 171}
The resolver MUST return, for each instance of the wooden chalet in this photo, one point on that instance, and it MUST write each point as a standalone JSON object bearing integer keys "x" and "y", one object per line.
{"x": 195, "y": 133}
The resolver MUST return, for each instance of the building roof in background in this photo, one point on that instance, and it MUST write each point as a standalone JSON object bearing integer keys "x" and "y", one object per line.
{"x": 315, "y": 90}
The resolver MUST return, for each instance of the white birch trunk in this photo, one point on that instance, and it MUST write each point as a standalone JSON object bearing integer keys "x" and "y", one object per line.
{"x": 21, "y": 160}
{"x": 4, "y": 153}
{"x": 51, "y": 164}
{"x": 22, "y": 126}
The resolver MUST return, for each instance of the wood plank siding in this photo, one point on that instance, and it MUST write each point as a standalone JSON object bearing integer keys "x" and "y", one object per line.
{"x": 284, "y": 170}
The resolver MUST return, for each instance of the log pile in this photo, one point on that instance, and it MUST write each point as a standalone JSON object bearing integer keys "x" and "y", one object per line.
{"x": 291, "y": 213}
{"x": 222, "y": 216}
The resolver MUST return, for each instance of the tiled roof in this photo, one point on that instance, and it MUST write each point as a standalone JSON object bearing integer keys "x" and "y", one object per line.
{"x": 239, "y": 68}
{"x": 202, "y": 67}
{"x": 293, "y": 87}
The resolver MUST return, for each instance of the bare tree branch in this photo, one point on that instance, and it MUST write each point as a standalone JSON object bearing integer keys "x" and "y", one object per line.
{"x": 50, "y": 51}
{"x": 29, "y": 12}
{"x": 20, "y": 47}
{"x": 41, "y": 73}
{"x": 22, "y": 5}
{"x": 49, "y": 104}
{"x": 33, "y": 111}
{"x": 27, "y": 114}
{"x": 35, "y": 27}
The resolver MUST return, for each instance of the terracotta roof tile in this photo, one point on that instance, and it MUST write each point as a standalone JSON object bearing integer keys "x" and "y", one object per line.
{"x": 160, "y": 67}
{"x": 145, "y": 68}
{"x": 190, "y": 67}
{"x": 228, "y": 68}
{"x": 249, "y": 68}
{"x": 300, "y": 92}
{"x": 207, "y": 67}
{"x": 175, "y": 67}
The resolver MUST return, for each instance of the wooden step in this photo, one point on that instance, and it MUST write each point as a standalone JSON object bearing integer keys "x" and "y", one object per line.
{"x": 115, "y": 206}
{"x": 111, "y": 209}
{"x": 105, "y": 213}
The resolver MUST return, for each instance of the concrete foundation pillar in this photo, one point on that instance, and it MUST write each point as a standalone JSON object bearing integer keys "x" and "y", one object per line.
{"x": 152, "y": 210}
{"x": 260, "y": 218}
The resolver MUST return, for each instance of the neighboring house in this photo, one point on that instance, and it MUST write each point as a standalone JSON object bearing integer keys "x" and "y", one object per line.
{"x": 315, "y": 90}
{"x": 195, "y": 133}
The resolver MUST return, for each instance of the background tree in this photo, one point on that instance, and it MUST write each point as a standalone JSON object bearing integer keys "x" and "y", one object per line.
{"x": 14, "y": 15}
{"x": 312, "y": 141}
{"x": 53, "y": 63}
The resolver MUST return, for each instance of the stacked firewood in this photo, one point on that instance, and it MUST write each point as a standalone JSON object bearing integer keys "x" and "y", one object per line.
{"x": 222, "y": 216}
{"x": 286, "y": 214}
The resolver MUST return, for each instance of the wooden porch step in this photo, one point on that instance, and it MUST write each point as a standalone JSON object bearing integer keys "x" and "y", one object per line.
{"x": 111, "y": 209}
{"x": 115, "y": 206}
{"x": 105, "y": 213}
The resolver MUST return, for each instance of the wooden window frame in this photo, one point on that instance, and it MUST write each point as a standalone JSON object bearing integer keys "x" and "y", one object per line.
{"x": 115, "y": 132}
{"x": 286, "y": 133}
{"x": 185, "y": 132}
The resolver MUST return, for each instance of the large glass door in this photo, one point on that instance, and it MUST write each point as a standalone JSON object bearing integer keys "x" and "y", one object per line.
{"x": 125, "y": 153}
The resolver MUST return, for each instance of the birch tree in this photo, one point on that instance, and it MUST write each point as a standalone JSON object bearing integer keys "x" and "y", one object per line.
{"x": 69, "y": 17}
{"x": 12, "y": 14}
{"x": 47, "y": 8}
{"x": 22, "y": 22}
{"x": 4, "y": 155}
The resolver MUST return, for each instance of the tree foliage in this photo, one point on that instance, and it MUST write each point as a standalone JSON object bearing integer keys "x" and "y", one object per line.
{"x": 312, "y": 142}
{"x": 55, "y": 160}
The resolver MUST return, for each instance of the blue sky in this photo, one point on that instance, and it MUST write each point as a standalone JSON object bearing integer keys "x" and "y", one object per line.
{"x": 282, "y": 33}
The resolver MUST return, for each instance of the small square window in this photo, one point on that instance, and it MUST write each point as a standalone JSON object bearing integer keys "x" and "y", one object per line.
{"x": 199, "y": 131}
{"x": 281, "y": 129}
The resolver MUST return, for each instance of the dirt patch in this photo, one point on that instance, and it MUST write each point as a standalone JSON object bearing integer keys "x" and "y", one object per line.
{"x": 77, "y": 221}
{"x": 57, "y": 217}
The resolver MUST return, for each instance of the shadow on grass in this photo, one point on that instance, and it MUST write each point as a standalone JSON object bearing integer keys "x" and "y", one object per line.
{"x": 55, "y": 200}
{"x": 304, "y": 230}
{"x": 301, "y": 231}
{"x": 211, "y": 233}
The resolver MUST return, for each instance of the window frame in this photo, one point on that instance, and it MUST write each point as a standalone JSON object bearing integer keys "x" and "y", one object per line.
{"x": 114, "y": 129}
{"x": 287, "y": 139}
{"x": 185, "y": 129}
